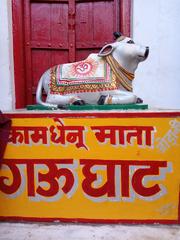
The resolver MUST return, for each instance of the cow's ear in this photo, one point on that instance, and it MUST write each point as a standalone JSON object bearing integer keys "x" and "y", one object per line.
{"x": 106, "y": 50}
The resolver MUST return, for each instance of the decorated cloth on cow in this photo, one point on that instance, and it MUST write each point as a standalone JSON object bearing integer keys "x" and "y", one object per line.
{"x": 93, "y": 74}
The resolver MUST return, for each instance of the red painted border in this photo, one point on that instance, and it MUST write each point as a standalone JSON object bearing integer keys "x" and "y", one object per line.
{"x": 67, "y": 114}
{"x": 18, "y": 50}
{"x": 125, "y": 17}
{"x": 83, "y": 220}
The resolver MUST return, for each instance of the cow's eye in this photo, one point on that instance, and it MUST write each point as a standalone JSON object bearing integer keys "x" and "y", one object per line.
{"x": 131, "y": 42}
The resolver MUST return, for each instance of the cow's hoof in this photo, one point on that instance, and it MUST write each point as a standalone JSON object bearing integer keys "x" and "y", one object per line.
{"x": 139, "y": 100}
{"x": 63, "y": 107}
{"x": 79, "y": 102}
{"x": 101, "y": 100}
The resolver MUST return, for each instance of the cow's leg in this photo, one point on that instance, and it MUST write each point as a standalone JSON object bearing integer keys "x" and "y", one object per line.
{"x": 118, "y": 97}
{"x": 61, "y": 100}
{"x": 123, "y": 98}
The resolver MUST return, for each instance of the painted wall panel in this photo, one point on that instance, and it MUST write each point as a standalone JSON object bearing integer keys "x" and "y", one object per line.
{"x": 92, "y": 167}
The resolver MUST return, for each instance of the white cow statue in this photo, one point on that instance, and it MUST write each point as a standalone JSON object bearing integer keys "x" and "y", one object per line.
{"x": 103, "y": 78}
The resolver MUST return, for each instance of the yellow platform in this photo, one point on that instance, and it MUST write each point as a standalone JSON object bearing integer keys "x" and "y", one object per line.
{"x": 101, "y": 167}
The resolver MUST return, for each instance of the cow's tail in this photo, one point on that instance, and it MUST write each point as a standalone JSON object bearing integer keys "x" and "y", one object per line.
{"x": 39, "y": 95}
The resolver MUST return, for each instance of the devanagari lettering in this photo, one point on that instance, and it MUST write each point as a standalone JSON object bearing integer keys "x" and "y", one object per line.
{"x": 62, "y": 134}
{"x": 127, "y": 181}
{"x": 124, "y": 135}
{"x": 11, "y": 185}
{"x": 104, "y": 180}
{"x": 28, "y": 135}
{"x": 170, "y": 138}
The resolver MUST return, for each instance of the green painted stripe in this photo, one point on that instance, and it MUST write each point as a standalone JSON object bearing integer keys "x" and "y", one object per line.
{"x": 108, "y": 107}
{"x": 92, "y": 107}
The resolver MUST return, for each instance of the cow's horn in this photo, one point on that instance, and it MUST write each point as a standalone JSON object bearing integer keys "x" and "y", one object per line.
{"x": 117, "y": 35}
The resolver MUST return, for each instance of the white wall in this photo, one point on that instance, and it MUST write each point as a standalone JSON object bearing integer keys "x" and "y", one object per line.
{"x": 6, "y": 57}
{"x": 156, "y": 23}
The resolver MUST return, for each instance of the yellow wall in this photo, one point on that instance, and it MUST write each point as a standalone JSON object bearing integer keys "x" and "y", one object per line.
{"x": 102, "y": 181}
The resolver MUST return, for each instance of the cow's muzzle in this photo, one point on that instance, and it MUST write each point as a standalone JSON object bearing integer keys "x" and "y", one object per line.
{"x": 146, "y": 52}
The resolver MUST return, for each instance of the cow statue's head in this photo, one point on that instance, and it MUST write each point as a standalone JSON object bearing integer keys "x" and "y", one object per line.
{"x": 126, "y": 52}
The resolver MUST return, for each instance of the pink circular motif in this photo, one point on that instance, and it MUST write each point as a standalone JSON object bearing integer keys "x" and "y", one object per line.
{"x": 83, "y": 68}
